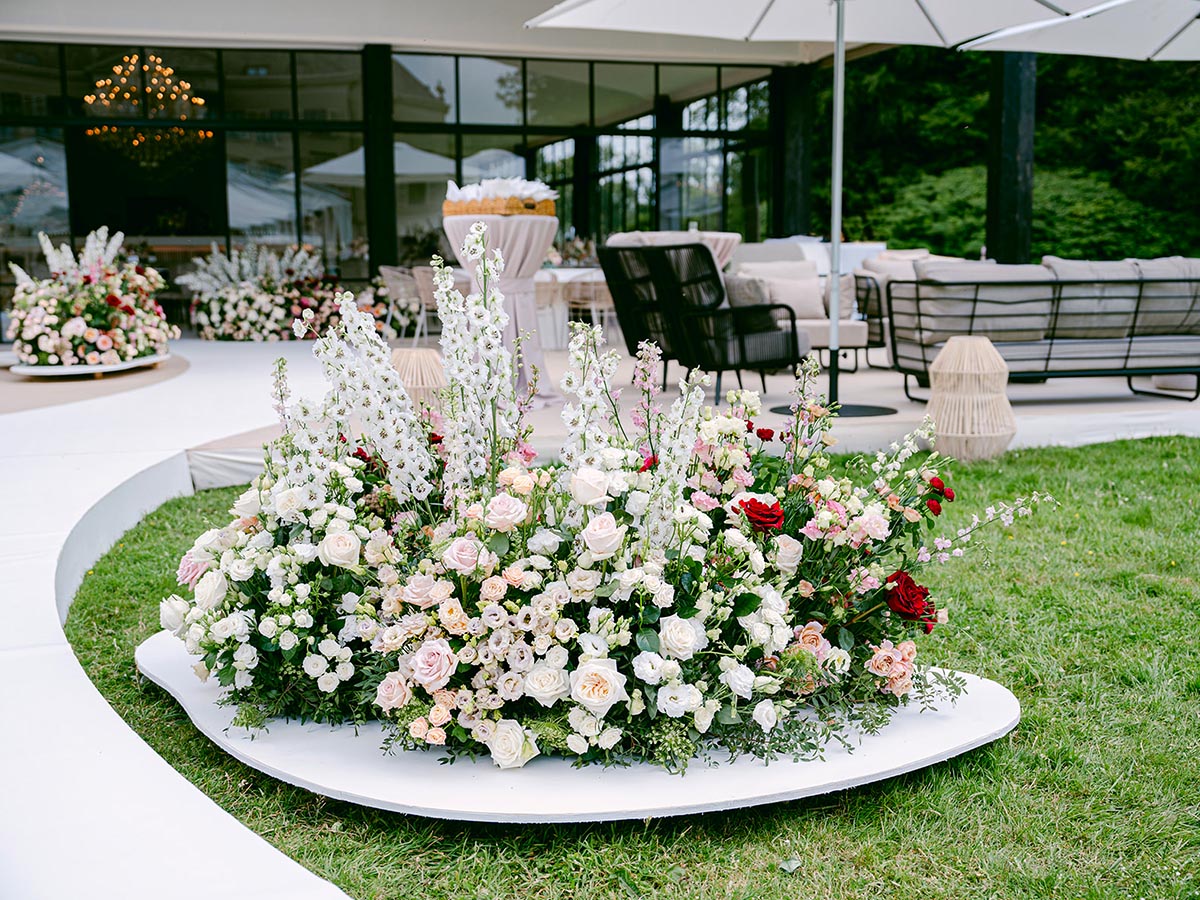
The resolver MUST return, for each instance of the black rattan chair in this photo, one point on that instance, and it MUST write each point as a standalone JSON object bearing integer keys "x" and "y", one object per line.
{"x": 639, "y": 313}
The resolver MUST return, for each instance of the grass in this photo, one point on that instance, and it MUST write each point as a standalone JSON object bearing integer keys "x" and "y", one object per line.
{"x": 1090, "y": 614}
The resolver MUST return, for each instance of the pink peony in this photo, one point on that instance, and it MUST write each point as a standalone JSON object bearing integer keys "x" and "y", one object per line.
{"x": 190, "y": 570}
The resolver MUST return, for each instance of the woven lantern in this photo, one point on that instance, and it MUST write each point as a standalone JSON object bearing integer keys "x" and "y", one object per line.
{"x": 421, "y": 371}
{"x": 969, "y": 403}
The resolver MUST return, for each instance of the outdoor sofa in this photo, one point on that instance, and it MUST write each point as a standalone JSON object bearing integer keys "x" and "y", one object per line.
{"x": 1061, "y": 319}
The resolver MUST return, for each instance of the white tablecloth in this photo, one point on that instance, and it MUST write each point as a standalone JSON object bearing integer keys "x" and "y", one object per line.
{"x": 722, "y": 243}
{"x": 523, "y": 241}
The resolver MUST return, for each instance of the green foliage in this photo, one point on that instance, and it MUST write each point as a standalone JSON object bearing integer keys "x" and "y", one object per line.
{"x": 1077, "y": 214}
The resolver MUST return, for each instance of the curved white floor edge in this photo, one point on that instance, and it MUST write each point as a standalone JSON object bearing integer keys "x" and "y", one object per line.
{"x": 77, "y": 371}
{"x": 347, "y": 764}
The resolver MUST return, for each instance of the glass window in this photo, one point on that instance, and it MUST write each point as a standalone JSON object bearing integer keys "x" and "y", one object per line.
{"x": 422, "y": 88}
{"x": 33, "y": 195}
{"x": 260, "y": 187}
{"x": 116, "y": 82}
{"x": 623, "y": 91}
{"x": 748, "y": 192}
{"x": 625, "y": 201}
{"x": 29, "y": 79}
{"x": 333, "y": 199}
{"x": 423, "y": 164}
{"x": 557, "y": 92}
{"x": 747, "y": 106}
{"x": 258, "y": 84}
{"x": 329, "y": 86}
{"x": 554, "y": 163}
{"x": 692, "y": 183}
{"x": 490, "y": 91}
{"x": 492, "y": 156}
{"x": 693, "y": 90}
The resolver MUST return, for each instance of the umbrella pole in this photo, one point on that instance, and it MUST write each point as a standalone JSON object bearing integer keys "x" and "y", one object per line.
{"x": 835, "y": 223}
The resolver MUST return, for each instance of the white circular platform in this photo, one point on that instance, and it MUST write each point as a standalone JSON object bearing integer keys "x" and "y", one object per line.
{"x": 77, "y": 370}
{"x": 339, "y": 763}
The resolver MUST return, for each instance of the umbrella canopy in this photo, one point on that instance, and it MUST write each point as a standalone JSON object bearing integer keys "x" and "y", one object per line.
{"x": 1155, "y": 30}
{"x": 942, "y": 23}
{"x": 411, "y": 164}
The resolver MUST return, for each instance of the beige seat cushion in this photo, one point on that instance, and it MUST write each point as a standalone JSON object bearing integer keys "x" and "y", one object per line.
{"x": 792, "y": 283}
{"x": 1098, "y": 309}
{"x": 852, "y": 333}
{"x": 890, "y": 269}
{"x": 1169, "y": 307}
{"x": 796, "y": 269}
{"x": 989, "y": 300}
{"x": 846, "y": 298}
{"x": 742, "y": 290}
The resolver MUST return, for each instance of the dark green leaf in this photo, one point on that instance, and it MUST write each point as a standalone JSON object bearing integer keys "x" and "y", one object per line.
{"x": 647, "y": 639}
{"x": 746, "y": 604}
{"x": 845, "y": 638}
{"x": 498, "y": 543}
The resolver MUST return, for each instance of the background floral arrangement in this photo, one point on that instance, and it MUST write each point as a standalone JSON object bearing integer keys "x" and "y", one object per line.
{"x": 683, "y": 583}
{"x": 254, "y": 294}
{"x": 94, "y": 310}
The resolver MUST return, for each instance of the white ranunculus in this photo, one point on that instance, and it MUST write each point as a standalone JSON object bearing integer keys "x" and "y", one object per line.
{"x": 589, "y": 487}
{"x": 511, "y": 745}
{"x": 597, "y": 686}
{"x": 340, "y": 549}
{"x": 677, "y": 700}
{"x": 547, "y": 684}
{"x": 211, "y": 590}
{"x": 680, "y": 638}
{"x": 648, "y": 666}
{"x": 603, "y": 537}
{"x": 505, "y": 512}
{"x": 765, "y": 715}
{"x": 171, "y": 613}
{"x": 240, "y": 570}
{"x": 740, "y": 680}
{"x": 788, "y": 551}
{"x": 247, "y": 504}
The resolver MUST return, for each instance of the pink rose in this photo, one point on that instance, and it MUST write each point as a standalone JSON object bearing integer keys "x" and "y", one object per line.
{"x": 393, "y": 692}
{"x": 603, "y": 536}
{"x": 190, "y": 569}
{"x": 466, "y": 554}
{"x": 433, "y": 664}
{"x": 505, "y": 512}
{"x": 417, "y": 591}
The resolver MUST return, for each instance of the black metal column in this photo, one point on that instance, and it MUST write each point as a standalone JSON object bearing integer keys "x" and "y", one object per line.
{"x": 583, "y": 186}
{"x": 1010, "y": 157}
{"x": 791, "y": 120}
{"x": 379, "y": 156}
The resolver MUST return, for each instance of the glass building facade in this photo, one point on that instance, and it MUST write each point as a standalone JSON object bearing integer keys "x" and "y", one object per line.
{"x": 350, "y": 151}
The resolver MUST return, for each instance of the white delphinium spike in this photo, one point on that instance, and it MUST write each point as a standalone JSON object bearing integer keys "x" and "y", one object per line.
{"x": 592, "y": 421}
{"x": 675, "y": 455}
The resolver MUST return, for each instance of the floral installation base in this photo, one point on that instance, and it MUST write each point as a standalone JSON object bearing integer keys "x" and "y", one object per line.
{"x": 85, "y": 370}
{"x": 344, "y": 763}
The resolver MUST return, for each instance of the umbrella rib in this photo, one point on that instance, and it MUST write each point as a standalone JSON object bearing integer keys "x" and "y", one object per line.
{"x": 758, "y": 21}
{"x": 1165, "y": 44}
{"x": 1053, "y": 7}
{"x": 932, "y": 23}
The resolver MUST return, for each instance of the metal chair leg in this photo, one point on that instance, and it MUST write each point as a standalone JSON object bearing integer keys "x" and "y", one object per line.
{"x": 1180, "y": 396}
{"x": 738, "y": 372}
{"x": 717, "y": 393}
{"x": 763, "y": 376}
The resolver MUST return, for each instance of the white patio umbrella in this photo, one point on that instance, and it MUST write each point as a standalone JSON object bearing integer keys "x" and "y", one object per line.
{"x": 1153, "y": 30}
{"x": 940, "y": 23}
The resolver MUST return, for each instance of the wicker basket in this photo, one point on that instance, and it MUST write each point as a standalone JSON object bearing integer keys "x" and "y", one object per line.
{"x": 498, "y": 206}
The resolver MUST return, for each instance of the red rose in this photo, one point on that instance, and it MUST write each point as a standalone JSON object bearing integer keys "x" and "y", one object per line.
{"x": 910, "y": 600}
{"x": 114, "y": 301}
{"x": 749, "y": 426}
{"x": 762, "y": 516}
{"x": 934, "y": 506}
{"x": 139, "y": 270}
{"x": 765, "y": 434}
{"x": 937, "y": 484}
{"x": 949, "y": 494}
{"x": 435, "y": 438}
{"x": 360, "y": 453}
{"x": 649, "y": 463}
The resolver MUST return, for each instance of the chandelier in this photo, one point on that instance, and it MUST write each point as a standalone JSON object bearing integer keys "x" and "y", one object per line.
{"x": 146, "y": 88}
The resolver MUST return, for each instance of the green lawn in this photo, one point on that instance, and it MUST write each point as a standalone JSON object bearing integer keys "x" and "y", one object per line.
{"x": 1090, "y": 614}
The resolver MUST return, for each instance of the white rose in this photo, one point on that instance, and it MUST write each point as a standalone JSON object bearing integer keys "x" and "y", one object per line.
{"x": 544, "y": 541}
{"x": 556, "y": 657}
{"x": 511, "y": 745}
{"x": 171, "y": 613}
{"x": 680, "y": 638}
{"x": 597, "y": 686}
{"x": 589, "y": 487}
{"x": 647, "y": 666}
{"x": 433, "y": 664}
{"x": 603, "y": 537}
{"x": 329, "y": 647}
{"x": 315, "y": 664}
{"x": 340, "y": 549}
{"x": 505, "y": 512}
{"x": 704, "y": 717}
{"x": 608, "y": 738}
{"x": 289, "y": 505}
{"x": 637, "y": 502}
{"x": 240, "y": 569}
{"x": 211, "y": 590}
{"x": 577, "y": 743}
{"x": 248, "y": 504}
{"x": 287, "y": 640}
{"x": 268, "y": 627}
{"x": 740, "y": 680}
{"x": 765, "y": 715}
{"x": 547, "y": 684}
{"x": 788, "y": 551}
{"x": 328, "y": 682}
{"x": 677, "y": 700}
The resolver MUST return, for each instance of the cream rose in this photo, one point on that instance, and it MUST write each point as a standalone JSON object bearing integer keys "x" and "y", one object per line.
{"x": 511, "y": 745}
{"x": 589, "y": 487}
{"x": 171, "y": 613}
{"x": 680, "y": 638}
{"x": 505, "y": 512}
{"x": 464, "y": 555}
{"x": 289, "y": 505}
{"x": 547, "y": 684}
{"x": 603, "y": 537}
{"x": 765, "y": 715}
{"x": 788, "y": 551}
{"x": 597, "y": 686}
{"x": 247, "y": 504}
{"x": 340, "y": 549}
{"x": 433, "y": 664}
{"x": 240, "y": 570}
{"x": 211, "y": 590}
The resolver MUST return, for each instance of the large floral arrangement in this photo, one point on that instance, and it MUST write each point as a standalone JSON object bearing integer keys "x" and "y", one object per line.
{"x": 684, "y": 582}
{"x": 254, "y": 294}
{"x": 95, "y": 310}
